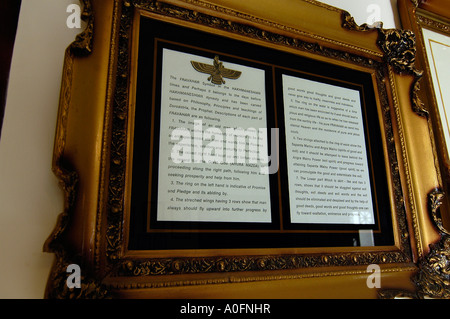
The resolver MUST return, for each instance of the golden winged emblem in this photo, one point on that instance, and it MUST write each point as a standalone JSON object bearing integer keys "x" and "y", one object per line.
{"x": 216, "y": 71}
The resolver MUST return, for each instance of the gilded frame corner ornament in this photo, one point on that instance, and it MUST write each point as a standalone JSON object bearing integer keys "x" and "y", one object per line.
{"x": 432, "y": 279}
{"x": 110, "y": 271}
{"x": 399, "y": 48}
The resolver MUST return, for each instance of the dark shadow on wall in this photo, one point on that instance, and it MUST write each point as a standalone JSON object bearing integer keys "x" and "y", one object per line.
{"x": 9, "y": 16}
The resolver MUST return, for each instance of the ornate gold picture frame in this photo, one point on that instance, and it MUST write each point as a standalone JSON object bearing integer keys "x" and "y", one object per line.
{"x": 113, "y": 73}
{"x": 428, "y": 20}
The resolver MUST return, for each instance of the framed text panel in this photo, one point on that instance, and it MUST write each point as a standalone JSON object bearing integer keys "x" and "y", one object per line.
{"x": 239, "y": 153}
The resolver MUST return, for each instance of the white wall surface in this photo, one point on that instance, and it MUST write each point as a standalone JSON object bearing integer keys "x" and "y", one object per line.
{"x": 30, "y": 197}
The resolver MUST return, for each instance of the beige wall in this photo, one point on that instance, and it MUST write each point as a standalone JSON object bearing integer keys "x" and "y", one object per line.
{"x": 30, "y": 198}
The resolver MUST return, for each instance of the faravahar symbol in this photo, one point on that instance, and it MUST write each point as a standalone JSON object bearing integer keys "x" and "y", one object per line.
{"x": 216, "y": 71}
